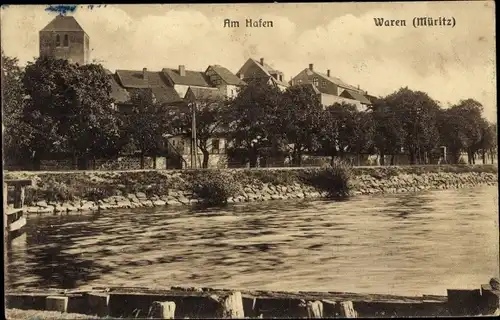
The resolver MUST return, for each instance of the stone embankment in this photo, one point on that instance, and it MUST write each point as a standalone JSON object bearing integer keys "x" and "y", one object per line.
{"x": 177, "y": 302}
{"x": 169, "y": 188}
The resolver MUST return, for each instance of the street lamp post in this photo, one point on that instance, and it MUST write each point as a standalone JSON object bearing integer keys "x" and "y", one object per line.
{"x": 194, "y": 143}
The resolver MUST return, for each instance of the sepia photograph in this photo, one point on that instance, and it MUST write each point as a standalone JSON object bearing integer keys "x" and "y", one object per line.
{"x": 271, "y": 160}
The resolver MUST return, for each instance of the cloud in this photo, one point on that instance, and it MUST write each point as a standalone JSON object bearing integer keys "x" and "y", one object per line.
{"x": 448, "y": 63}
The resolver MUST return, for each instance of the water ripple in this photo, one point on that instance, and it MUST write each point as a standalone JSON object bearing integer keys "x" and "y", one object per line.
{"x": 420, "y": 243}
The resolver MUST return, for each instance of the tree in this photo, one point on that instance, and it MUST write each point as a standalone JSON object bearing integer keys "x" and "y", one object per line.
{"x": 211, "y": 119}
{"x": 418, "y": 115}
{"x": 388, "y": 131}
{"x": 346, "y": 130}
{"x": 69, "y": 110}
{"x": 462, "y": 127}
{"x": 252, "y": 122}
{"x": 146, "y": 124}
{"x": 15, "y": 131}
{"x": 299, "y": 118}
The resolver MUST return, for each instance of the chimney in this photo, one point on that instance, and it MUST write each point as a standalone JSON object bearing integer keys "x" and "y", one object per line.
{"x": 311, "y": 66}
{"x": 145, "y": 73}
{"x": 261, "y": 61}
{"x": 182, "y": 71}
{"x": 328, "y": 72}
{"x": 358, "y": 86}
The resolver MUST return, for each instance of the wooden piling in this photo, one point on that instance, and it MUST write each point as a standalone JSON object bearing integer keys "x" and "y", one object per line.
{"x": 162, "y": 310}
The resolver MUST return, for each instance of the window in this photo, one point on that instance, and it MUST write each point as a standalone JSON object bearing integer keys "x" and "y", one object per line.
{"x": 58, "y": 40}
{"x": 66, "y": 40}
{"x": 323, "y": 84}
{"x": 215, "y": 145}
{"x": 300, "y": 81}
{"x": 315, "y": 82}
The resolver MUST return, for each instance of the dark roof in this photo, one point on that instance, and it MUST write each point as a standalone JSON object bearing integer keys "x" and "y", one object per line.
{"x": 63, "y": 23}
{"x": 338, "y": 82}
{"x": 164, "y": 94}
{"x": 131, "y": 79}
{"x": 268, "y": 70}
{"x": 191, "y": 78}
{"x": 210, "y": 94}
{"x": 227, "y": 76}
{"x": 355, "y": 95}
{"x": 135, "y": 79}
{"x": 118, "y": 93}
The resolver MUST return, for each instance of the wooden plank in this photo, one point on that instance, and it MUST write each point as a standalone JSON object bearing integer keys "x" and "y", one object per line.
{"x": 17, "y": 225}
{"x": 12, "y": 211}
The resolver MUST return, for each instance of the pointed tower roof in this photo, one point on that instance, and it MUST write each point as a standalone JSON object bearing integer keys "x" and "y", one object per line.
{"x": 63, "y": 23}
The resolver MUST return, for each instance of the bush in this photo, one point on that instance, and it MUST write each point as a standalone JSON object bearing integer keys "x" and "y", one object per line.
{"x": 98, "y": 193}
{"x": 214, "y": 186}
{"x": 333, "y": 179}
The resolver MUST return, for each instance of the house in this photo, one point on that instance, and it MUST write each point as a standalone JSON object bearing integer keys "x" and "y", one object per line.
{"x": 119, "y": 94}
{"x": 153, "y": 81}
{"x": 332, "y": 89}
{"x": 258, "y": 71}
{"x": 181, "y": 79}
{"x": 227, "y": 82}
{"x": 201, "y": 97}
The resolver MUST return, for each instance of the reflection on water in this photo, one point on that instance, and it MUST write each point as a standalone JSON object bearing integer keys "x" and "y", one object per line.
{"x": 422, "y": 243}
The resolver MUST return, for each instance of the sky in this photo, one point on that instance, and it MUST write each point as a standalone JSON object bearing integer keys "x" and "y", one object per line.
{"x": 449, "y": 64}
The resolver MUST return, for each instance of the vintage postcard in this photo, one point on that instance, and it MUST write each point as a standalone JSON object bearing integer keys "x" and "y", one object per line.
{"x": 305, "y": 160}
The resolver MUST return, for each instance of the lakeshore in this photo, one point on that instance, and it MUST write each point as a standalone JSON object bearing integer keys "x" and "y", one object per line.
{"x": 59, "y": 192}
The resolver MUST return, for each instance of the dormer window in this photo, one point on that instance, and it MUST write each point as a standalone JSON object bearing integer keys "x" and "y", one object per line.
{"x": 58, "y": 40}
{"x": 66, "y": 41}
{"x": 315, "y": 82}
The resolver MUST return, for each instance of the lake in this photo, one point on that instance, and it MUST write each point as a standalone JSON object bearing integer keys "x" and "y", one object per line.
{"x": 409, "y": 244}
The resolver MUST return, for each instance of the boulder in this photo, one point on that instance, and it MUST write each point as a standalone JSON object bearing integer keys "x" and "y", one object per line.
{"x": 141, "y": 195}
{"x": 42, "y": 203}
{"x": 159, "y": 203}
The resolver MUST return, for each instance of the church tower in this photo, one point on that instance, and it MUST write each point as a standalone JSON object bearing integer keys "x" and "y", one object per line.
{"x": 64, "y": 38}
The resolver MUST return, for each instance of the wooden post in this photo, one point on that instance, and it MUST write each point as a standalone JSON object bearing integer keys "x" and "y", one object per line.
{"x": 230, "y": 306}
{"x": 19, "y": 196}
{"x": 162, "y": 310}
{"x": 315, "y": 309}
{"x": 347, "y": 310}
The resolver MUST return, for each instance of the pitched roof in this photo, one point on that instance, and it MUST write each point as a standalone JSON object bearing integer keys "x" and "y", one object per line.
{"x": 268, "y": 70}
{"x": 63, "y": 23}
{"x": 356, "y": 95}
{"x": 227, "y": 76}
{"x": 135, "y": 79}
{"x": 210, "y": 94}
{"x": 309, "y": 86}
{"x": 131, "y": 79}
{"x": 164, "y": 94}
{"x": 337, "y": 81}
{"x": 118, "y": 93}
{"x": 191, "y": 78}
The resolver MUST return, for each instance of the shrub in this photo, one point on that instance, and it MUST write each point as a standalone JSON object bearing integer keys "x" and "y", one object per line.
{"x": 214, "y": 186}
{"x": 333, "y": 179}
{"x": 98, "y": 193}
{"x": 56, "y": 191}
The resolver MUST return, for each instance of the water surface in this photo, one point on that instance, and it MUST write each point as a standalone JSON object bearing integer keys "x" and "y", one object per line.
{"x": 419, "y": 243}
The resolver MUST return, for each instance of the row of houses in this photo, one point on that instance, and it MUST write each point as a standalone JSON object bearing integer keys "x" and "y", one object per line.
{"x": 64, "y": 38}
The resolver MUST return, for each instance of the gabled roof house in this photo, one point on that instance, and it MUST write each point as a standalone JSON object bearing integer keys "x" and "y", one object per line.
{"x": 259, "y": 71}
{"x": 332, "y": 89}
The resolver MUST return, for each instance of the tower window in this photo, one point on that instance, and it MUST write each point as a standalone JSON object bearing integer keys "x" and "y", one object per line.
{"x": 66, "y": 40}
{"x": 58, "y": 40}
